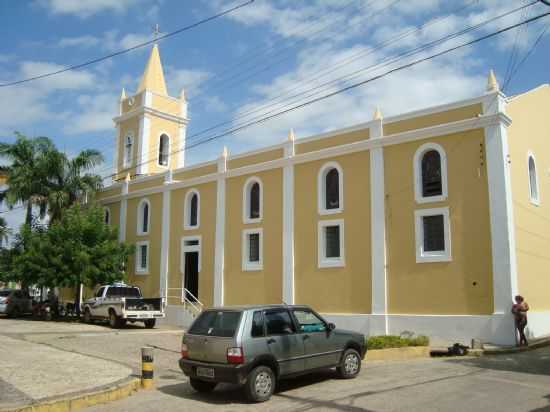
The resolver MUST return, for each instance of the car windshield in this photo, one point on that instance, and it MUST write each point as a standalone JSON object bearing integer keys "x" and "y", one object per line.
{"x": 4, "y": 293}
{"x": 219, "y": 323}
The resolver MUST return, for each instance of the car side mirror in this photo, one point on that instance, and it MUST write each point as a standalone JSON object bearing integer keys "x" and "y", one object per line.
{"x": 331, "y": 326}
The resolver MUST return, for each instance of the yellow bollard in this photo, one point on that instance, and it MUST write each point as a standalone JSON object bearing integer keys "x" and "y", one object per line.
{"x": 146, "y": 368}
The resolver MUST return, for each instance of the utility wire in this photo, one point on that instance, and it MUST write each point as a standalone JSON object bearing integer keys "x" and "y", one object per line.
{"x": 124, "y": 51}
{"x": 358, "y": 84}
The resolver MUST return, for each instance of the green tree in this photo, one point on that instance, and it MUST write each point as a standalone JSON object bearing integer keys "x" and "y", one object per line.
{"x": 30, "y": 164}
{"x": 4, "y": 231}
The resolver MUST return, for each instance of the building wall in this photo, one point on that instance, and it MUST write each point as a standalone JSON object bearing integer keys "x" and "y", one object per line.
{"x": 263, "y": 286}
{"x": 128, "y": 126}
{"x": 463, "y": 285}
{"x": 342, "y": 289}
{"x": 530, "y": 131}
{"x": 171, "y": 128}
{"x": 207, "y": 230}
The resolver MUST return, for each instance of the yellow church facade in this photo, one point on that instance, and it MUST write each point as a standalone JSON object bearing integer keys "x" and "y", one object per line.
{"x": 429, "y": 221}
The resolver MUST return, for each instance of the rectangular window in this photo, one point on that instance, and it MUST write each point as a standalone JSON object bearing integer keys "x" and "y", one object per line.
{"x": 142, "y": 257}
{"x": 219, "y": 323}
{"x": 257, "y": 325}
{"x": 278, "y": 322}
{"x": 252, "y": 249}
{"x": 433, "y": 242}
{"x": 331, "y": 243}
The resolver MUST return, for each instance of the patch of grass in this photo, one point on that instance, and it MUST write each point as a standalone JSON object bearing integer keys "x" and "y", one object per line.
{"x": 393, "y": 341}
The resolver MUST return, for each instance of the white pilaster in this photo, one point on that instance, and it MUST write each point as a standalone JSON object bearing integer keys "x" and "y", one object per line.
{"x": 378, "y": 233}
{"x": 123, "y": 213}
{"x": 220, "y": 231}
{"x": 144, "y": 137}
{"x": 165, "y": 240}
{"x": 288, "y": 223}
{"x": 181, "y": 149}
{"x": 117, "y": 148}
{"x": 501, "y": 207}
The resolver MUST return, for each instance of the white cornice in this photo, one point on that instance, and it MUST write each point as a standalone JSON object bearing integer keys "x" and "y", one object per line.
{"x": 149, "y": 110}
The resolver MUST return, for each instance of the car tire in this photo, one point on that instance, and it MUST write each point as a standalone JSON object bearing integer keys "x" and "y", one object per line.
{"x": 350, "y": 365}
{"x": 202, "y": 386}
{"x": 114, "y": 321}
{"x": 14, "y": 313}
{"x": 150, "y": 323}
{"x": 260, "y": 384}
{"x": 87, "y": 316}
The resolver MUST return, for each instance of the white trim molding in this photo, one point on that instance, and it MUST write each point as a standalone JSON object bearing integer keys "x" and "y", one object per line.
{"x": 248, "y": 265}
{"x": 322, "y": 260}
{"x": 219, "y": 252}
{"x": 139, "y": 269}
{"x": 288, "y": 226}
{"x": 142, "y": 166}
{"x": 432, "y": 256}
{"x": 417, "y": 168}
{"x": 190, "y": 248}
{"x": 165, "y": 245}
{"x": 187, "y": 210}
{"x": 140, "y": 207}
{"x": 535, "y": 200}
{"x": 181, "y": 148}
{"x": 247, "y": 187}
{"x": 321, "y": 188}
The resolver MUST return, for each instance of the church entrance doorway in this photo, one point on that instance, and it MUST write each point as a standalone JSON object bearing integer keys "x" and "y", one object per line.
{"x": 191, "y": 250}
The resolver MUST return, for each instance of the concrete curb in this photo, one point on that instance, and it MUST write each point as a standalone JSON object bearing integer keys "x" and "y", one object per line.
{"x": 74, "y": 402}
{"x": 405, "y": 353}
{"x": 540, "y": 343}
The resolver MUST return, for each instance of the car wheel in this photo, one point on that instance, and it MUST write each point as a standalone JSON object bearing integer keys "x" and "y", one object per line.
{"x": 87, "y": 316}
{"x": 260, "y": 384}
{"x": 113, "y": 320}
{"x": 14, "y": 312}
{"x": 150, "y": 323}
{"x": 351, "y": 364}
{"x": 202, "y": 386}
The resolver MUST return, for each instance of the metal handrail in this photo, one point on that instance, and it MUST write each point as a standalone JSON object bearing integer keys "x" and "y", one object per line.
{"x": 195, "y": 305}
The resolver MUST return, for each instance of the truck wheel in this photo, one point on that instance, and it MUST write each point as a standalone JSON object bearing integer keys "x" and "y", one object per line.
{"x": 114, "y": 321}
{"x": 150, "y": 323}
{"x": 87, "y": 316}
{"x": 202, "y": 386}
{"x": 260, "y": 384}
{"x": 350, "y": 365}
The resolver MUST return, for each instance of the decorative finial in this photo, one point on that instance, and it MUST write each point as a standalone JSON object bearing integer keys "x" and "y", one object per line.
{"x": 127, "y": 179}
{"x": 291, "y": 137}
{"x": 156, "y": 32}
{"x": 225, "y": 152}
{"x": 182, "y": 94}
{"x": 492, "y": 83}
{"x": 123, "y": 94}
{"x": 377, "y": 114}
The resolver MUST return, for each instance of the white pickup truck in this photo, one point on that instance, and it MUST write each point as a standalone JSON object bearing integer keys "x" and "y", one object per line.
{"x": 120, "y": 303}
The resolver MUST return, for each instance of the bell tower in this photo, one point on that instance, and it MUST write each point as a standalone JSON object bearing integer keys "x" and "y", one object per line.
{"x": 151, "y": 126}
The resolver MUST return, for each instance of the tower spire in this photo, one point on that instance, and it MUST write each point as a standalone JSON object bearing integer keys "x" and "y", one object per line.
{"x": 153, "y": 75}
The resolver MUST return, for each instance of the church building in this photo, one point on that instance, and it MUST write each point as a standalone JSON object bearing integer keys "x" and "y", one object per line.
{"x": 429, "y": 221}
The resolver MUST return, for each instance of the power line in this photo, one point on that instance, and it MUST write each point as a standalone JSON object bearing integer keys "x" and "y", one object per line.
{"x": 124, "y": 51}
{"x": 358, "y": 84}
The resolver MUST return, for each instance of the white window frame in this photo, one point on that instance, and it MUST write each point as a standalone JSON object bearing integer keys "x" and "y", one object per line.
{"x": 194, "y": 248}
{"x": 321, "y": 188}
{"x": 248, "y": 266}
{"x": 439, "y": 256}
{"x": 417, "y": 166}
{"x": 140, "y": 232}
{"x": 126, "y": 162}
{"x": 158, "y": 150}
{"x": 107, "y": 214}
{"x": 139, "y": 269}
{"x": 246, "y": 200}
{"x": 187, "y": 210}
{"x": 535, "y": 201}
{"x": 322, "y": 260}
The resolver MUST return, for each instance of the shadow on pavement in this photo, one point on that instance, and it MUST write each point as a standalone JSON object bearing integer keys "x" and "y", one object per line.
{"x": 535, "y": 362}
{"x": 544, "y": 408}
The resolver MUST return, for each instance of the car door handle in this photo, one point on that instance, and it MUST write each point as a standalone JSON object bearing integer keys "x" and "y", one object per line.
{"x": 305, "y": 337}
{"x": 270, "y": 341}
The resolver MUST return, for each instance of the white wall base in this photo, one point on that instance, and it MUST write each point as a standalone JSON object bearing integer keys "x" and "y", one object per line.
{"x": 177, "y": 315}
{"x": 442, "y": 329}
{"x": 538, "y": 324}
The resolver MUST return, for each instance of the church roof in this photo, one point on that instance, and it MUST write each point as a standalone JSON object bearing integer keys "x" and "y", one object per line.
{"x": 153, "y": 76}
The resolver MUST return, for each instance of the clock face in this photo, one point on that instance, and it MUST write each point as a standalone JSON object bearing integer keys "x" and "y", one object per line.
{"x": 130, "y": 101}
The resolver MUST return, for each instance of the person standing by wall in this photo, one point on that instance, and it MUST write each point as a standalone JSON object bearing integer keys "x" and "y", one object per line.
{"x": 519, "y": 309}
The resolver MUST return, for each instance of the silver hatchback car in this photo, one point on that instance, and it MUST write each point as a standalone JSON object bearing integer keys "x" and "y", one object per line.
{"x": 255, "y": 346}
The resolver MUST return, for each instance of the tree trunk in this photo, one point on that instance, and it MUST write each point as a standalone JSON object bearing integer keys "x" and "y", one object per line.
{"x": 28, "y": 218}
{"x": 77, "y": 300}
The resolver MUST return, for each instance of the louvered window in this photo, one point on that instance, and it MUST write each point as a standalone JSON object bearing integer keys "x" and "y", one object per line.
{"x": 332, "y": 241}
{"x": 332, "y": 190}
{"x": 431, "y": 174}
{"x": 434, "y": 233}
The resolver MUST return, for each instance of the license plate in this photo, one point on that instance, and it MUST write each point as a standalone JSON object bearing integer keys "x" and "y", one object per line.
{"x": 205, "y": 372}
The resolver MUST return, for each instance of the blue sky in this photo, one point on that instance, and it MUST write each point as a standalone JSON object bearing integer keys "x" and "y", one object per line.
{"x": 236, "y": 64}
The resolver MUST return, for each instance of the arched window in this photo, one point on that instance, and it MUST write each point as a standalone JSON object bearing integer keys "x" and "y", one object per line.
{"x": 106, "y": 216}
{"x": 128, "y": 150}
{"x": 533, "y": 180}
{"x": 143, "y": 220}
{"x": 192, "y": 210}
{"x": 252, "y": 200}
{"x": 430, "y": 171}
{"x": 330, "y": 189}
{"x": 164, "y": 149}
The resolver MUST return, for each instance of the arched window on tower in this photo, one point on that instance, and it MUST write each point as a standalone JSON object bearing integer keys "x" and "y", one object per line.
{"x": 533, "y": 180}
{"x": 164, "y": 148}
{"x": 252, "y": 200}
{"x": 128, "y": 150}
{"x": 430, "y": 170}
{"x": 330, "y": 188}
{"x": 143, "y": 217}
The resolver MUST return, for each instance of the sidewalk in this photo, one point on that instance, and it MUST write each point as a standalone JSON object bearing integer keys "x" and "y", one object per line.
{"x": 490, "y": 349}
{"x": 32, "y": 373}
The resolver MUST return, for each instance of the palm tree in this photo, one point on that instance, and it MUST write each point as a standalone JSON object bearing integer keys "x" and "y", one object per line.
{"x": 27, "y": 172}
{"x": 71, "y": 182}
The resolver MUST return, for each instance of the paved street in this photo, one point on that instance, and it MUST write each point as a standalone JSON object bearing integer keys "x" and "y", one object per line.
{"x": 519, "y": 382}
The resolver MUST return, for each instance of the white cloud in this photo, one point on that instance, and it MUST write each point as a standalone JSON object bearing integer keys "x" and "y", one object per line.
{"x": 94, "y": 114}
{"x": 81, "y": 41}
{"x": 190, "y": 80}
{"x": 86, "y": 8}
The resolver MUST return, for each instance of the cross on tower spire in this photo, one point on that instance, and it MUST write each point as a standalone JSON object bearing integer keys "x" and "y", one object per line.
{"x": 156, "y": 31}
